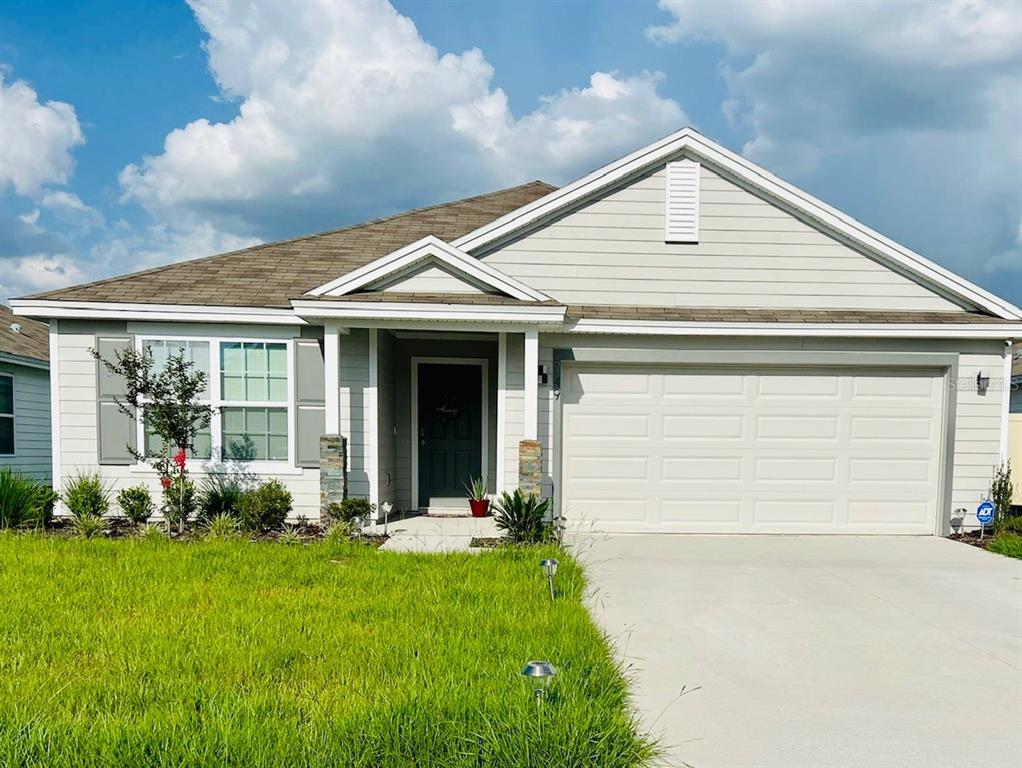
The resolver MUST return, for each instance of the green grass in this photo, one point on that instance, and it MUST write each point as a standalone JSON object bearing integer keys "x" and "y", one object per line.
{"x": 158, "y": 653}
{"x": 1009, "y": 544}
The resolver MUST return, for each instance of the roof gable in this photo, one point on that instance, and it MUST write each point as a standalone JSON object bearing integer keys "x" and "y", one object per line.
{"x": 693, "y": 145}
{"x": 428, "y": 249}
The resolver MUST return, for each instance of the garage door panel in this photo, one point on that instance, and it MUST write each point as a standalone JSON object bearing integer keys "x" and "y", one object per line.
{"x": 796, "y": 428}
{"x": 759, "y": 451}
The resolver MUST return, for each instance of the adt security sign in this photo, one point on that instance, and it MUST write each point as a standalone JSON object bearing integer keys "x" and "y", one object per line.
{"x": 985, "y": 512}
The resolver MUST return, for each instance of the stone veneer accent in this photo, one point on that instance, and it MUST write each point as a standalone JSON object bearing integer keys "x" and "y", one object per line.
{"x": 530, "y": 467}
{"x": 333, "y": 473}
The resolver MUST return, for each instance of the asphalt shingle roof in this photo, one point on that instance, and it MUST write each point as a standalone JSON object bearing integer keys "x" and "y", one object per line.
{"x": 270, "y": 275}
{"x": 32, "y": 341}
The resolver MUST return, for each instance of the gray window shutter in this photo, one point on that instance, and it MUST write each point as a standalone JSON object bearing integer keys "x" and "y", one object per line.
{"x": 310, "y": 403}
{"x": 115, "y": 431}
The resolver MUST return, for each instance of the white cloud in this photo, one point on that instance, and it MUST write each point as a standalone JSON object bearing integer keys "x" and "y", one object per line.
{"x": 128, "y": 249}
{"x": 38, "y": 272}
{"x": 345, "y": 111}
{"x": 908, "y": 115}
{"x": 35, "y": 139}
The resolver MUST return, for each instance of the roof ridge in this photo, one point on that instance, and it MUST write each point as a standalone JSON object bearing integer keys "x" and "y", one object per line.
{"x": 298, "y": 239}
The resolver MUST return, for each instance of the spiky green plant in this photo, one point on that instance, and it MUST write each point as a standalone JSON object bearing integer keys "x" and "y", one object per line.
{"x": 523, "y": 518}
{"x": 476, "y": 488}
{"x": 222, "y": 526}
{"x": 290, "y": 536}
{"x": 89, "y": 526}
{"x": 152, "y": 532}
{"x": 220, "y": 494}
{"x": 24, "y": 501}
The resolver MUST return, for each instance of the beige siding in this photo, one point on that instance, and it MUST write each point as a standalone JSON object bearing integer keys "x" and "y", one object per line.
{"x": 77, "y": 446}
{"x": 432, "y": 278}
{"x": 750, "y": 254}
{"x": 977, "y": 417}
{"x": 1015, "y": 454}
{"x": 31, "y": 421}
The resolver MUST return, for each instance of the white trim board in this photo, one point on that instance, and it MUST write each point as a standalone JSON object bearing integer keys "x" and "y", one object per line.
{"x": 691, "y": 142}
{"x": 385, "y": 310}
{"x": 484, "y": 365}
{"x": 428, "y": 248}
{"x": 837, "y": 330}
{"x": 186, "y": 313}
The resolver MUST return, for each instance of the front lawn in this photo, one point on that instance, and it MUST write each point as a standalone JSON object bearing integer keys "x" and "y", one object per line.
{"x": 163, "y": 653}
{"x": 1009, "y": 544}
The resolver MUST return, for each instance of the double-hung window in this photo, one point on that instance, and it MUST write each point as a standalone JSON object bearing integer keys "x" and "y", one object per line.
{"x": 247, "y": 386}
{"x": 6, "y": 415}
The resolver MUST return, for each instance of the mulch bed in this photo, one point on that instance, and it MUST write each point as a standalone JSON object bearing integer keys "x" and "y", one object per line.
{"x": 120, "y": 528}
{"x": 972, "y": 538}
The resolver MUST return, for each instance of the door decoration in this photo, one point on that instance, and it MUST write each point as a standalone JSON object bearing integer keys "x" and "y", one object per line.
{"x": 448, "y": 409}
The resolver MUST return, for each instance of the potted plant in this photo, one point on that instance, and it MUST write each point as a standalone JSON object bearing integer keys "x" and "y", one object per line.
{"x": 477, "y": 500}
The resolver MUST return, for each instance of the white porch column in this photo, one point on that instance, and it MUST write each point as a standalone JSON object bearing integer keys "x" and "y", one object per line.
{"x": 501, "y": 412}
{"x": 372, "y": 422}
{"x": 531, "y": 385}
{"x": 332, "y": 379}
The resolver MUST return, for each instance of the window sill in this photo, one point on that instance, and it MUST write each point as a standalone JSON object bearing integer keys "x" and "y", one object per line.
{"x": 281, "y": 468}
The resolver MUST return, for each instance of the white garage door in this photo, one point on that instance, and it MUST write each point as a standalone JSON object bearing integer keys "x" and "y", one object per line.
{"x": 753, "y": 451}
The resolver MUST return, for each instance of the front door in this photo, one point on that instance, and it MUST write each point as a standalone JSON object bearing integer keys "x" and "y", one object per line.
{"x": 450, "y": 429}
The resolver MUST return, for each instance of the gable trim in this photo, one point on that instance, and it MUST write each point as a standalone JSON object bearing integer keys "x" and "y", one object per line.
{"x": 429, "y": 247}
{"x": 687, "y": 139}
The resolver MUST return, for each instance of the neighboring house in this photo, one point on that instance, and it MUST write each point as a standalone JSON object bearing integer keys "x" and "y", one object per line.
{"x": 696, "y": 345}
{"x": 24, "y": 395}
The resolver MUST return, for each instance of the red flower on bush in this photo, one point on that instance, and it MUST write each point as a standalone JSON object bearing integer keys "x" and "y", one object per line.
{"x": 179, "y": 459}
{"x": 165, "y": 482}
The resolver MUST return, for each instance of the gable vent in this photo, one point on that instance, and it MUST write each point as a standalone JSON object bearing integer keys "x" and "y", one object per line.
{"x": 681, "y": 218}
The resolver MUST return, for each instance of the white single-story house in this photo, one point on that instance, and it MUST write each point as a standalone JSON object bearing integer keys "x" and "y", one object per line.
{"x": 24, "y": 396}
{"x": 680, "y": 341}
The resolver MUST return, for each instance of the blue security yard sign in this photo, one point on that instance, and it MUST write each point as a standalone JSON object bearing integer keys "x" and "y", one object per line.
{"x": 985, "y": 512}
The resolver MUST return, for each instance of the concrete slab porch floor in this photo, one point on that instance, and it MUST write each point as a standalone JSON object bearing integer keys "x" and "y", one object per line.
{"x": 426, "y": 533}
{"x": 801, "y": 651}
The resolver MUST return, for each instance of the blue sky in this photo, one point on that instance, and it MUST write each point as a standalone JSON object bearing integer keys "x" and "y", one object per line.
{"x": 138, "y": 135}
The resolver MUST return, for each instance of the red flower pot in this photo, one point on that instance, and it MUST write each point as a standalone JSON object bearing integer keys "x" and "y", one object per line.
{"x": 480, "y": 507}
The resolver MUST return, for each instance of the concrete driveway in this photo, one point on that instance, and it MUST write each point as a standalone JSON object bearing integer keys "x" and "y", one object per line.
{"x": 867, "y": 652}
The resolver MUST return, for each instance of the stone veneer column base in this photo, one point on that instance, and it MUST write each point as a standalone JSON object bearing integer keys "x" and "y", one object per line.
{"x": 333, "y": 474}
{"x": 530, "y": 467}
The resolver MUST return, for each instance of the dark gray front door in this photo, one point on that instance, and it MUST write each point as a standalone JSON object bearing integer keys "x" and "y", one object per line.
{"x": 450, "y": 429}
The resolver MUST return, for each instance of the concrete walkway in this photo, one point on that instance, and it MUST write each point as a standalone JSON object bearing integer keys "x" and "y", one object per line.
{"x": 817, "y": 652}
{"x": 434, "y": 534}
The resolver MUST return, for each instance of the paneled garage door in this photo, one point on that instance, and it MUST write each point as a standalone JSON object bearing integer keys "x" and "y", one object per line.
{"x": 753, "y": 451}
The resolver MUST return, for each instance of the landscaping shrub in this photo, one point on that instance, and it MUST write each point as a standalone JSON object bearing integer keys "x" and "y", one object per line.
{"x": 290, "y": 536}
{"x": 152, "y": 532}
{"x": 265, "y": 508}
{"x": 523, "y": 518}
{"x": 180, "y": 501}
{"x": 221, "y": 495}
{"x": 137, "y": 504}
{"x": 1001, "y": 492}
{"x": 349, "y": 509}
{"x": 222, "y": 526}
{"x": 87, "y": 496}
{"x": 1010, "y": 524}
{"x": 24, "y": 501}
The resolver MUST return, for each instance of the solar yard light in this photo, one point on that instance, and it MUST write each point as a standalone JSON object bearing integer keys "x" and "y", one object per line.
{"x": 357, "y": 523}
{"x": 549, "y": 567}
{"x": 539, "y": 674}
{"x": 387, "y": 507}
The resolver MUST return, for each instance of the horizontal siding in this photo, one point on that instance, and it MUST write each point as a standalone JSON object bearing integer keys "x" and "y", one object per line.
{"x": 432, "y": 279}
{"x": 31, "y": 422}
{"x": 77, "y": 408}
{"x": 750, "y": 253}
{"x": 354, "y": 379}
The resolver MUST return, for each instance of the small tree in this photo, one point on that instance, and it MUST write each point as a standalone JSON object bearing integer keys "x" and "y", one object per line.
{"x": 167, "y": 401}
{"x": 1000, "y": 492}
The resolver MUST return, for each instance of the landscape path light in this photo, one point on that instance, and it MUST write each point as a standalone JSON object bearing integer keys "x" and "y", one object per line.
{"x": 549, "y": 567}
{"x": 357, "y": 523}
{"x": 387, "y": 507}
{"x": 539, "y": 674}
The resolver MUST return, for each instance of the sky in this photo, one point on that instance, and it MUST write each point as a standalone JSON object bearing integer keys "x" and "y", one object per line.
{"x": 137, "y": 135}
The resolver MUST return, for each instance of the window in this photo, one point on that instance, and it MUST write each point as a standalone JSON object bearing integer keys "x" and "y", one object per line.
{"x": 6, "y": 415}
{"x": 249, "y": 389}
{"x": 196, "y": 352}
{"x": 253, "y": 387}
